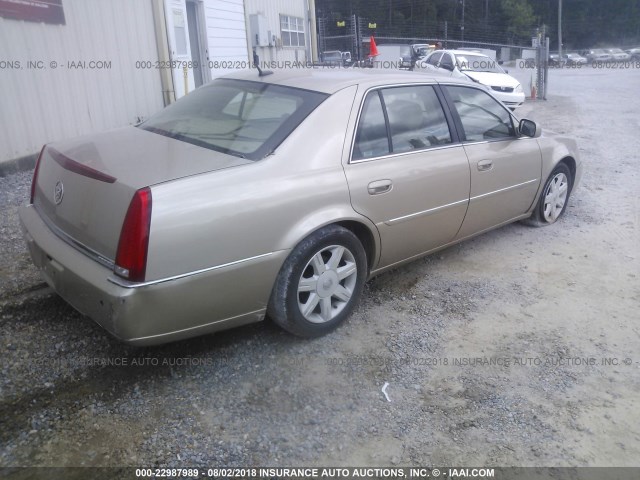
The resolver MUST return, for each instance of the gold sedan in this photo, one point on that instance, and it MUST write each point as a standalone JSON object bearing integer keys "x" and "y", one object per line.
{"x": 281, "y": 195}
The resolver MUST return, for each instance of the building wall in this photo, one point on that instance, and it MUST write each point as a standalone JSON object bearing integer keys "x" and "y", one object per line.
{"x": 59, "y": 96}
{"x": 271, "y": 12}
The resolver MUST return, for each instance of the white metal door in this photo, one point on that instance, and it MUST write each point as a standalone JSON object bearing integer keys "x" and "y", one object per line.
{"x": 180, "y": 50}
{"x": 226, "y": 36}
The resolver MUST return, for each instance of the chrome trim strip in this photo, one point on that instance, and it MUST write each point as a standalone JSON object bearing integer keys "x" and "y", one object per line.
{"x": 377, "y": 271}
{"x": 483, "y": 142}
{"x": 402, "y": 154}
{"x": 395, "y": 221}
{"x": 127, "y": 284}
{"x": 504, "y": 189}
{"x": 81, "y": 247}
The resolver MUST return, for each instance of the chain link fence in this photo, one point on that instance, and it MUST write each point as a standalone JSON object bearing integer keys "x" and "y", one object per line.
{"x": 525, "y": 59}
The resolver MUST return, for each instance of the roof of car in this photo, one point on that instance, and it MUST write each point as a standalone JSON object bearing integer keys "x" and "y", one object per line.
{"x": 331, "y": 80}
{"x": 463, "y": 52}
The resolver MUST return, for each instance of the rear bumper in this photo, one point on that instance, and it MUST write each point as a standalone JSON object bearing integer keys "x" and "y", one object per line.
{"x": 171, "y": 310}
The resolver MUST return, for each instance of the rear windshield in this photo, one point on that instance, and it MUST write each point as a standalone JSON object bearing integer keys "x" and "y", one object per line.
{"x": 333, "y": 56}
{"x": 238, "y": 117}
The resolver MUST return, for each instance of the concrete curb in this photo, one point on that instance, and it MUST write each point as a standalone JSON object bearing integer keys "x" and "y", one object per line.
{"x": 16, "y": 165}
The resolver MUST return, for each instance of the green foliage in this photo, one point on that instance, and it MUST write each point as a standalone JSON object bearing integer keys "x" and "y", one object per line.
{"x": 518, "y": 17}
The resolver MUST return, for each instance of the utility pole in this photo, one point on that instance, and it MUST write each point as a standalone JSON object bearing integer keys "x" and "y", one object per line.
{"x": 560, "y": 29}
{"x": 355, "y": 32}
{"x": 446, "y": 33}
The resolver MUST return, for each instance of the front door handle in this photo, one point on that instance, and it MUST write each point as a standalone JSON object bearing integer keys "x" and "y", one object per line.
{"x": 485, "y": 165}
{"x": 379, "y": 186}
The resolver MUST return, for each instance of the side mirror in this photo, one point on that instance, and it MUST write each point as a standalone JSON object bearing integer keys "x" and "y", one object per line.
{"x": 528, "y": 128}
{"x": 500, "y": 62}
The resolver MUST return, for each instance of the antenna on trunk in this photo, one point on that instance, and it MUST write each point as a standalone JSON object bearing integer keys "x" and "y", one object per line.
{"x": 256, "y": 63}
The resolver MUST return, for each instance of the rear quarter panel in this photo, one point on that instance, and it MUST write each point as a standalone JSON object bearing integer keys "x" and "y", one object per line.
{"x": 267, "y": 206}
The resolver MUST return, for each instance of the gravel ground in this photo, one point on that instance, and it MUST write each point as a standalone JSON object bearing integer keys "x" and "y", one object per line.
{"x": 552, "y": 303}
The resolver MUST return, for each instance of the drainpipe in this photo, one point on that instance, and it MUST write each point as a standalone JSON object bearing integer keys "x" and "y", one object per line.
{"x": 247, "y": 29}
{"x": 311, "y": 11}
{"x": 162, "y": 42}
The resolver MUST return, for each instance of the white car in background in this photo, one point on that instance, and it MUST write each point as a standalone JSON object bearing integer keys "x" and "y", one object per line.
{"x": 598, "y": 55}
{"x": 477, "y": 68}
{"x": 618, "y": 55}
{"x": 573, "y": 59}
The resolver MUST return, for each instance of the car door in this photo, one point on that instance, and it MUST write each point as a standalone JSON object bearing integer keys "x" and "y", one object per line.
{"x": 408, "y": 173}
{"x": 505, "y": 167}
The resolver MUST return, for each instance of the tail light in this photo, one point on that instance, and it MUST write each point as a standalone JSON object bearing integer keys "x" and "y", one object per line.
{"x": 131, "y": 257}
{"x": 35, "y": 176}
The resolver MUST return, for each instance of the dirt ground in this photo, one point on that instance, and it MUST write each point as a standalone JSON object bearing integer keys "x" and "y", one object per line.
{"x": 517, "y": 348}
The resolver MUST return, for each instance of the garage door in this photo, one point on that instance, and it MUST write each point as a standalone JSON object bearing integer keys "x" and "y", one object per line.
{"x": 226, "y": 35}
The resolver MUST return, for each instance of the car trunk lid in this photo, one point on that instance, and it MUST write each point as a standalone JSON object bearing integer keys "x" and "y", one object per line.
{"x": 84, "y": 186}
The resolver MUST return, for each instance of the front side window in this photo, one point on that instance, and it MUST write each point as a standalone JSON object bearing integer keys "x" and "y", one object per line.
{"x": 292, "y": 31}
{"x": 482, "y": 116}
{"x": 243, "y": 118}
{"x": 434, "y": 58}
{"x": 414, "y": 121}
{"x": 446, "y": 62}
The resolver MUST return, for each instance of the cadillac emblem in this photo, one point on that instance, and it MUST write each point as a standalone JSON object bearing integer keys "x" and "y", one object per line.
{"x": 58, "y": 193}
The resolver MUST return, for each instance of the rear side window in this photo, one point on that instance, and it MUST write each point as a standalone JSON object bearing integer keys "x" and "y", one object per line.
{"x": 414, "y": 121}
{"x": 372, "y": 139}
{"x": 416, "y": 118}
{"x": 482, "y": 116}
{"x": 243, "y": 118}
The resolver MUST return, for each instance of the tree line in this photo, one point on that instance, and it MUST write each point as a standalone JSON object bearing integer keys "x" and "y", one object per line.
{"x": 585, "y": 23}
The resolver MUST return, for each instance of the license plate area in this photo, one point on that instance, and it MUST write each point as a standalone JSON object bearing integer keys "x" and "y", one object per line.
{"x": 52, "y": 271}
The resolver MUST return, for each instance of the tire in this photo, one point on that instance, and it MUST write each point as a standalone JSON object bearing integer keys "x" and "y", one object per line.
{"x": 553, "y": 199}
{"x": 309, "y": 299}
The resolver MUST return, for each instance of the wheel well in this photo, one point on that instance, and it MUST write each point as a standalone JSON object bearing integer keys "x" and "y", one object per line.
{"x": 365, "y": 236}
{"x": 571, "y": 163}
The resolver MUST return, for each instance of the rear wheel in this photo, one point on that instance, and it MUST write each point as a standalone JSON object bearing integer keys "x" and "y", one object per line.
{"x": 554, "y": 198}
{"x": 320, "y": 283}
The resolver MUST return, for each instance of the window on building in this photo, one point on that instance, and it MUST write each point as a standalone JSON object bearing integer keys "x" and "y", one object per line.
{"x": 292, "y": 31}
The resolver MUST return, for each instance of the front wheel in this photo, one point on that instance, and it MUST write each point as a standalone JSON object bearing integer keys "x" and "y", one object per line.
{"x": 320, "y": 283}
{"x": 554, "y": 198}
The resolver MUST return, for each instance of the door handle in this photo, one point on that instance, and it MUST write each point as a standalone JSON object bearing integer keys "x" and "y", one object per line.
{"x": 485, "y": 165}
{"x": 379, "y": 186}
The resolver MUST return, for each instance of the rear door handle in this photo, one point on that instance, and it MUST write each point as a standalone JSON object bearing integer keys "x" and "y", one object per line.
{"x": 379, "y": 186}
{"x": 484, "y": 165}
